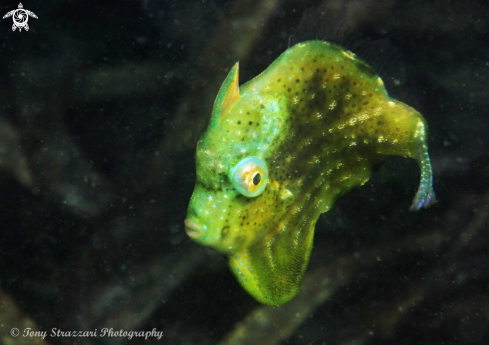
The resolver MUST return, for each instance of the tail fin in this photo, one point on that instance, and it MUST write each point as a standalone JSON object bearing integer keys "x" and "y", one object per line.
{"x": 425, "y": 196}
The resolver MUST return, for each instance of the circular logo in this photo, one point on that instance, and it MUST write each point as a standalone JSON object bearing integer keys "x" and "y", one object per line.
{"x": 14, "y": 332}
{"x": 20, "y": 17}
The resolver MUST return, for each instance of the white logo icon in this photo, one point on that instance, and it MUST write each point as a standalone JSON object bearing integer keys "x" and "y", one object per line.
{"x": 20, "y": 17}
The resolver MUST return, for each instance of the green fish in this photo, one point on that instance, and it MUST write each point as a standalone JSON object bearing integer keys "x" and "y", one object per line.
{"x": 282, "y": 148}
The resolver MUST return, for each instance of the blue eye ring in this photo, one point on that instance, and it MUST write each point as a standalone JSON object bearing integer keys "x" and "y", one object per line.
{"x": 250, "y": 176}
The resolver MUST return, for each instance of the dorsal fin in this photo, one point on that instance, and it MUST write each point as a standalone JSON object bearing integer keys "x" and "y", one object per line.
{"x": 325, "y": 25}
{"x": 227, "y": 96}
{"x": 331, "y": 25}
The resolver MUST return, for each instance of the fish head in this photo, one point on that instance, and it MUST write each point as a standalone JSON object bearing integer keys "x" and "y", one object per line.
{"x": 234, "y": 203}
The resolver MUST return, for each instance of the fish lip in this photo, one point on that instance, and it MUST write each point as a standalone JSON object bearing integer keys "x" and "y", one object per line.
{"x": 193, "y": 229}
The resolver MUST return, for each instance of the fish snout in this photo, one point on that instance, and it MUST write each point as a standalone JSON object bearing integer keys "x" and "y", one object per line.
{"x": 193, "y": 229}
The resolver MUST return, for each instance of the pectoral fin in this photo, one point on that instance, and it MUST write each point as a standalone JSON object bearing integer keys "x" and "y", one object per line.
{"x": 272, "y": 270}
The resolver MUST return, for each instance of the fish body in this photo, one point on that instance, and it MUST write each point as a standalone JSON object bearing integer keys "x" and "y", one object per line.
{"x": 282, "y": 148}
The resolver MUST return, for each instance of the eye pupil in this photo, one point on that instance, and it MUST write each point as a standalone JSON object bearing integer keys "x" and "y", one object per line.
{"x": 257, "y": 179}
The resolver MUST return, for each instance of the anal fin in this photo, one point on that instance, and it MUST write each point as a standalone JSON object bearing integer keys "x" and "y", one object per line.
{"x": 272, "y": 270}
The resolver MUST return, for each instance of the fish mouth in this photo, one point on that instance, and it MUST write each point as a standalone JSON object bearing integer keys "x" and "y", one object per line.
{"x": 193, "y": 229}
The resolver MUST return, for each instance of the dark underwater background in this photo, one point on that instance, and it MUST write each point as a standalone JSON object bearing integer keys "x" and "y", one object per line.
{"x": 101, "y": 104}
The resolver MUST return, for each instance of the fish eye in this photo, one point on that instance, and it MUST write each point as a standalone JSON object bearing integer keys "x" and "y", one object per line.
{"x": 250, "y": 176}
{"x": 256, "y": 179}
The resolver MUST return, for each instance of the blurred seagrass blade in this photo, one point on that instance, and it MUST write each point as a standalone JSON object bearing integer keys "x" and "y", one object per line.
{"x": 64, "y": 176}
{"x": 130, "y": 303}
{"x": 68, "y": 179}
{"x": 127, "y": 80}
{"x": 11, "y": 318}
{"x": 12, "y": 158}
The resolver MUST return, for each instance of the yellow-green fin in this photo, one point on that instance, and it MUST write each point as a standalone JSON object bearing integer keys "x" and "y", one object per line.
{"x": 271, "y": 271}
{"x": 227, "y": 96}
